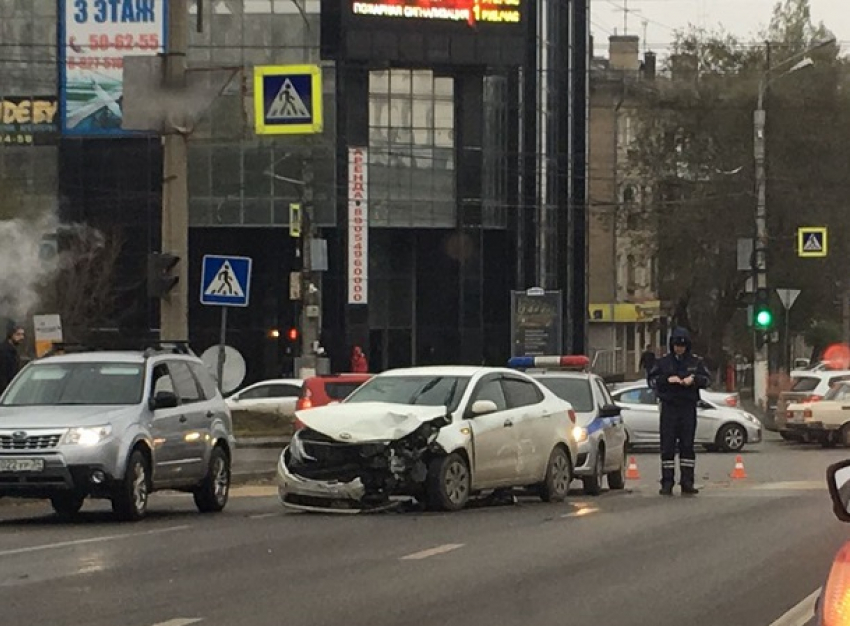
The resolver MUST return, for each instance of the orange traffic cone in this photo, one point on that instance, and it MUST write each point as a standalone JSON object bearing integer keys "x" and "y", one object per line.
{"x": 739, "y": 471}
{"x": 632, "y": 472}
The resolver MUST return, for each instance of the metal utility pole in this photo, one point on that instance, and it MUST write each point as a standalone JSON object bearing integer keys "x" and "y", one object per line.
{"x": 174, "y": 322}
{"x": 310, "y": 296}
{"x": 760, "y": 361}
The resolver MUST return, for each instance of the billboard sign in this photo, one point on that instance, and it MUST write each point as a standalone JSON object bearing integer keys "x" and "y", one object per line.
{"x": 453, "y": 32}
{"x": 94, "y": 38}
{"x": 536, "y": 323}
{"x": 29, "y": 120}
{"x": 358, "y": 226}
{"x": 472, "y": 13}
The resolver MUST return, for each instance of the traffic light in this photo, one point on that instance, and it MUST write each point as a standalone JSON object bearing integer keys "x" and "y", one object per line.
{"x": 292, "y": 334}
{"x": 161, "y": 279}
{"x": 762, "y": 313}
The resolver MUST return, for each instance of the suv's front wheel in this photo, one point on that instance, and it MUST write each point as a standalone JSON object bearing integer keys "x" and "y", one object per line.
{"x": 211, "y": 495}
{"x": 130, "y": 500}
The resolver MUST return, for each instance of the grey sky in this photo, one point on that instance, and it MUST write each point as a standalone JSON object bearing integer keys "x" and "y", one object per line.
{"x": 744, "y": 18}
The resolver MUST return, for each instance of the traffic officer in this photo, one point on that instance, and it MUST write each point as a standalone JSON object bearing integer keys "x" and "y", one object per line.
{"x": 677, "y": 379}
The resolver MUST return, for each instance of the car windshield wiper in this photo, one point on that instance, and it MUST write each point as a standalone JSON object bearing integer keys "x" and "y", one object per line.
{"x": 428, "y": 387}
{"x": 450, "y": 396}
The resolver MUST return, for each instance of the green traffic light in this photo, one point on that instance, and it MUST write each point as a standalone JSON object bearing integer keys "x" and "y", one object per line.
{"x": 764, "y": 318}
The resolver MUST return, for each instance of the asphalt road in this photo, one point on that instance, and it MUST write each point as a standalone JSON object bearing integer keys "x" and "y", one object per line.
{"x": 742, "y": 553}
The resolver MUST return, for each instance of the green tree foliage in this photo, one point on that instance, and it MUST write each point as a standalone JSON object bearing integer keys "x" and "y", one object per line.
{"x": 694, "y": 149}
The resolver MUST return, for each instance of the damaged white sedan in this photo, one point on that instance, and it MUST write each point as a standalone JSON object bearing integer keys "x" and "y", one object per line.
{"x": 436, "y": 434}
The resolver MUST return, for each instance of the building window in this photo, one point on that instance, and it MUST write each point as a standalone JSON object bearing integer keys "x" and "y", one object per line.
{"x": 631, "y": 278}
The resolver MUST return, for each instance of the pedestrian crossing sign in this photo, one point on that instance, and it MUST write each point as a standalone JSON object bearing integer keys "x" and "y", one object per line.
{"x": 811, "y": 242}
{"x": 288, "y": 100}
{"x": 225, "y": 280}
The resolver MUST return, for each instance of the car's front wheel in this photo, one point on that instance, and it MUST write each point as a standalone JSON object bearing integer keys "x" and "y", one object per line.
{"x": 592, "y": 485}
{"x": 448, "y": 482}
{"x": 617, "y": 479}
{"x": 732, "y": 438}
{"x": 559, "y": 475}
{"x": 212, "y": 494}
{"x": 130, "y": 501}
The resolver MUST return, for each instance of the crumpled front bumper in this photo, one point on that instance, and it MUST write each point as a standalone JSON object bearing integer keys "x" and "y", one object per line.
{"x": 304, "y": 494}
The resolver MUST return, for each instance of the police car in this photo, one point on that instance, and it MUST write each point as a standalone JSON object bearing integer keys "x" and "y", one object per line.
{"x": 599, "y": 429}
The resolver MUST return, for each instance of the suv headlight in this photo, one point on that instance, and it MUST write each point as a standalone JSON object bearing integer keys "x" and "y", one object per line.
{"x": 87, "y": 436}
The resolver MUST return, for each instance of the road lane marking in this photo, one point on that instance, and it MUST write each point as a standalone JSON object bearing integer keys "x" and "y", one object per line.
{"x": 82, "y": 542}
{"x": 180, "y": 621}
{"x": 265, "y": 515}
{"x": 802, "y": 613}
{"x": 424, "y": 554}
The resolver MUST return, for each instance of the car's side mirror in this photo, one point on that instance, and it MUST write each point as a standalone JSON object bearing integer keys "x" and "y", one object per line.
{"x": 610, "y": 410}
{"x": 482, "y": 407}
{"x": 163, "y": 400}
{"x": 235, "y": 397}
{"x": 703, "y": 404}
{"x": 838, "y": 480}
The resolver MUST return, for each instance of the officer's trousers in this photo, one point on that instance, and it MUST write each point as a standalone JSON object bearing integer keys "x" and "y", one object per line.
{"x": 678, "y": 429}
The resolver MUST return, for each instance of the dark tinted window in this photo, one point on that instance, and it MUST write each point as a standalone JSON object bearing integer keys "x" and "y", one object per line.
{"x": 340, "y": 391}
{"x": 805, "y": 383}
{"x": 284, "y": 391}
{"x": 255, "y": 394}
{"x": 521, "y": 392}
{"x": 576, "y": 391}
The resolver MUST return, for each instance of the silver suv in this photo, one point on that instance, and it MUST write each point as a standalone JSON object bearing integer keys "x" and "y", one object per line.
{"x": 115, "y": 425}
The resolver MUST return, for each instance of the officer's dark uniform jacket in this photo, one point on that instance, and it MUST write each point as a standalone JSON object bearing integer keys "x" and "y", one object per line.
{"x": 678, "y": 407}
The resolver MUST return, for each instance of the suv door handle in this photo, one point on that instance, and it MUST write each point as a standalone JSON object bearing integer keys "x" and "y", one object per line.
{"x": 183, "y": 418}
{"x": 509, "y": 423}
{"x": 210, "y": 414}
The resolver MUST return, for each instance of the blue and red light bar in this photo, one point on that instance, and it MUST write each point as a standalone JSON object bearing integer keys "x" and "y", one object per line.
{"x": 572, "y": 362}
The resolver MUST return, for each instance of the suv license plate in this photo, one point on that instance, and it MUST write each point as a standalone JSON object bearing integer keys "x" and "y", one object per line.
{"x": 21, "y": 465}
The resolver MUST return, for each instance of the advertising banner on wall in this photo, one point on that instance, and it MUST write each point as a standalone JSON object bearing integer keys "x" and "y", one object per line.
{"x": 536, "y": 322}
{"x": 358, "y": 226}
{"x": 94, "y": 38}
{"x": 29, "y": 120}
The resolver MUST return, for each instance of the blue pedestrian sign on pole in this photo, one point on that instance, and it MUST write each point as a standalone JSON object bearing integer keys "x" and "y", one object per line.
{"x": 288, "y": 100}
{"x": 226, "y": 280}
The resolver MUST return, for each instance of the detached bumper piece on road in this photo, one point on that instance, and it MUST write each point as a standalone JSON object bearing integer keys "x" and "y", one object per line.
{"x": 316, "y": 473}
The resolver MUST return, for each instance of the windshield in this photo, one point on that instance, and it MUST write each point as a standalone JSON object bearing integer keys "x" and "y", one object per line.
{"x": 430, "y": 390}
{"x": 576, "y": 391}
{"x": 77, "y": 384}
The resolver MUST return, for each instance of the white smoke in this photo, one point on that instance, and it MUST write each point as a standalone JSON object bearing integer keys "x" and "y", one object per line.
{"x": 24, "y": 268}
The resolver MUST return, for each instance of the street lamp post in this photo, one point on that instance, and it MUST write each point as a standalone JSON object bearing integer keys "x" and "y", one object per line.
{"x": 760, "y": 369}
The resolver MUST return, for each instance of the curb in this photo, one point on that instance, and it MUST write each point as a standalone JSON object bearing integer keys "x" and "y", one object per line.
{"x": 247, "y": 478}
{"x": 262, "y": 444}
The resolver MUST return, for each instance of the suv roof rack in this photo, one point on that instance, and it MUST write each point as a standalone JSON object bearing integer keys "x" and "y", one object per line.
{"x": 169, "y": 347}
{"x": 152, "y": 349}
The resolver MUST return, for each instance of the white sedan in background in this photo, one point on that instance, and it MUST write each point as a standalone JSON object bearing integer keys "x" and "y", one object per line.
{"x": 277, "y": 395}
{"x": 718, "y": 427}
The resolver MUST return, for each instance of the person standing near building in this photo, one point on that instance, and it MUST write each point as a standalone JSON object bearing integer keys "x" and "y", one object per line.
{"x": 10, "y": 360}
{"x": 647, "y": 360}
{"x": 677, "y": 379}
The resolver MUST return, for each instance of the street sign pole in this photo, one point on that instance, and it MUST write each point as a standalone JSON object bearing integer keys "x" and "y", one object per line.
{"x": 787, "y": 297}
{"x": 225, "y": 282}
{"x": 222, "y": 339}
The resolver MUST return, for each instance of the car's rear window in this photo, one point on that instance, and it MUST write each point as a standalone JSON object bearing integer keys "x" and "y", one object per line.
{"x": 576, "y": 391}
{"x": 804, "y": 383}
{"x": 340, "y": 391}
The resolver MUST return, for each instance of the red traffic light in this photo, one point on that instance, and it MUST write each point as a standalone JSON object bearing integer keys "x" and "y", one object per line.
{"x": 292, "y": 334}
